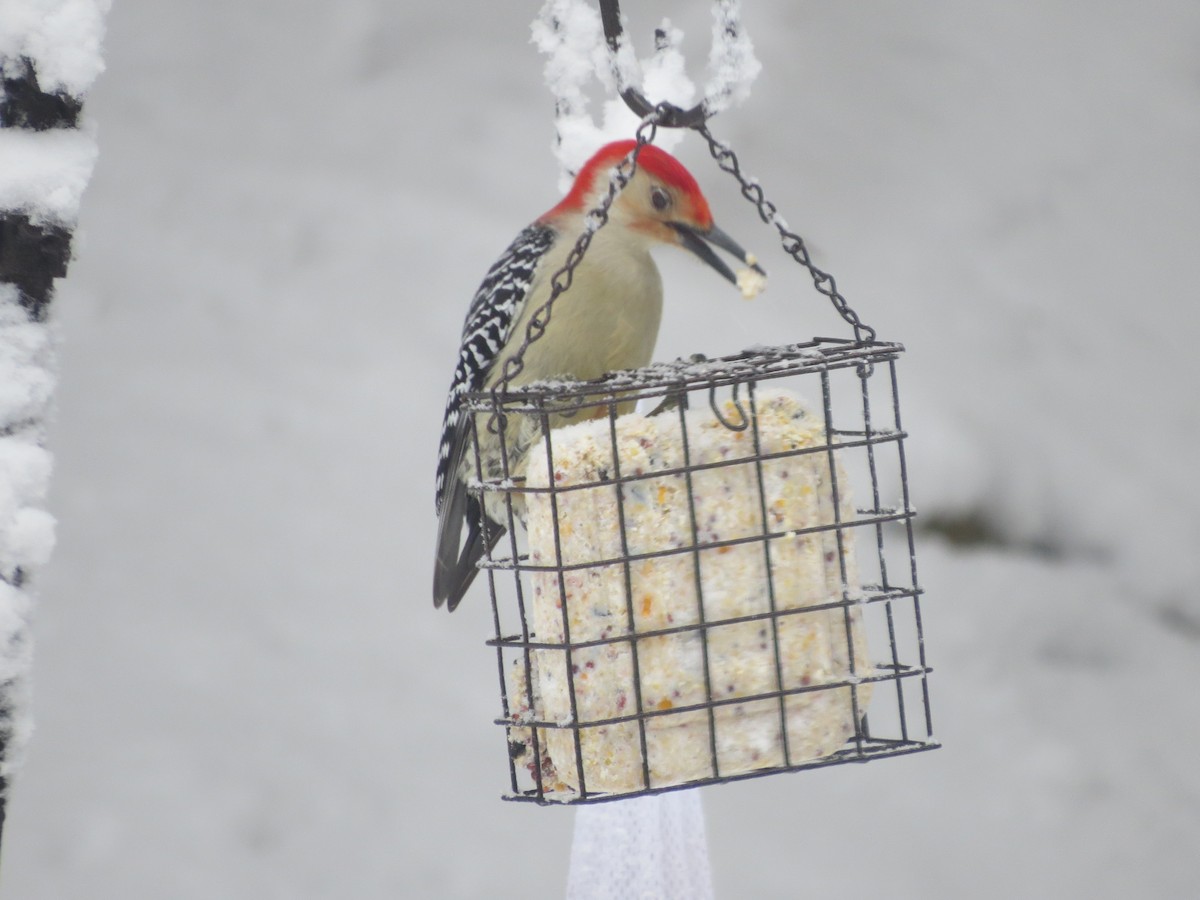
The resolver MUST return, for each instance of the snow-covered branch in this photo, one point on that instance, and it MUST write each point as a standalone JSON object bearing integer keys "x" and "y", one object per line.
{"x": 49, "y": 56}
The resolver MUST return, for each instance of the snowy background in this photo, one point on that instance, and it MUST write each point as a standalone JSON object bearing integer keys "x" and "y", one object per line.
{"x": 242, "y": 689}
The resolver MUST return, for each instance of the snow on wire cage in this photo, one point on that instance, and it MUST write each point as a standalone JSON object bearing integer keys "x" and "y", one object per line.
{"x": 715, "y": 577}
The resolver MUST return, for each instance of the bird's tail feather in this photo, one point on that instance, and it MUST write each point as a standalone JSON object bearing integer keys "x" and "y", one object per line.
{"x": 454, "y": 571}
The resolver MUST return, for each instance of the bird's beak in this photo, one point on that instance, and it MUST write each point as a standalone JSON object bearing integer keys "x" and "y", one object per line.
{"x": 698, "y": 242}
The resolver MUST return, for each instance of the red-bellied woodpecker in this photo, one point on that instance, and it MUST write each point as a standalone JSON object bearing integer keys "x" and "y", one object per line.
{"x": 606, "y": 320}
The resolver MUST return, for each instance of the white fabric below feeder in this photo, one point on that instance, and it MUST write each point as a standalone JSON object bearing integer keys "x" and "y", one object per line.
{"x": 646, "y": 848}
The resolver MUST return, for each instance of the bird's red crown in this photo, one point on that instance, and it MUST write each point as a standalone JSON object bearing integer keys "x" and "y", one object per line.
{"x": 656, "y": 162}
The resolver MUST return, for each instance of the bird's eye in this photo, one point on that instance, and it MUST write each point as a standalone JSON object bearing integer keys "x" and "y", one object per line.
{"x": 660, "y": 198}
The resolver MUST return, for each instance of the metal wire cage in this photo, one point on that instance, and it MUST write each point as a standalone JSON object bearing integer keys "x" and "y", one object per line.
{"x": 719, "y": 585}
{"x": 714, "y": 577}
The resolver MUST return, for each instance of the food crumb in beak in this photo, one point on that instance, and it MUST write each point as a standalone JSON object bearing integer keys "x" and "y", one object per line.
{"x": 751, "y": 282}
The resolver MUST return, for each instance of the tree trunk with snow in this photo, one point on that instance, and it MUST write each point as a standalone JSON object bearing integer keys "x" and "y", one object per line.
{"x": 49, "y": 56}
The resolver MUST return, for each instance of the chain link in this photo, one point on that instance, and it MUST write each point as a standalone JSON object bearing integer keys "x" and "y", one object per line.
{"x": 792, "y": 243}
{"x": 596, "y": 219}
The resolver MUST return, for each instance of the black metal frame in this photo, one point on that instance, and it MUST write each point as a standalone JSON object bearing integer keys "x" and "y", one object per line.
{"x": 870, "y": 446}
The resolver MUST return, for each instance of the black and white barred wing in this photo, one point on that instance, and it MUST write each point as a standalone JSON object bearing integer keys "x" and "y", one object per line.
{"x": 488, "y": 326}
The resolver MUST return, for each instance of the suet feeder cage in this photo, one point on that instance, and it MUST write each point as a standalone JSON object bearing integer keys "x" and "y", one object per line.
{"x": 714, "y": 578}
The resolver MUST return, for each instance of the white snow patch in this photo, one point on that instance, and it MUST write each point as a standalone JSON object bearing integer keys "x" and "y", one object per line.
{"x": 732, "y": 64}
{"x": 26, "y": 530}
{"x": 26, "y": 376}
{"x": 571, "y": 35}
{"x": 664, "y": 74}
{"x": 62, "y": 37}
{"x": 44, "y": 173}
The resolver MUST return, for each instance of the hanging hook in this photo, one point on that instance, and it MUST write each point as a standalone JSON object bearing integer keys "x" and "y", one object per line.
{"x": 737, "y": 404}
{"x": 670, "y": 116}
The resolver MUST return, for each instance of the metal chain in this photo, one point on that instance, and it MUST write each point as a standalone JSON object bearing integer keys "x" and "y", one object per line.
{"x": 596, "y": 219}
{"x": 792, "y": 243}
